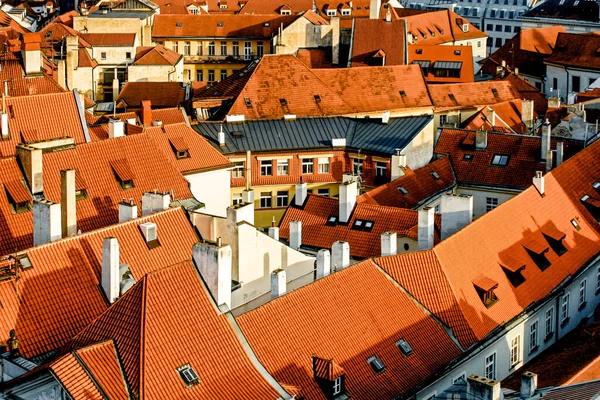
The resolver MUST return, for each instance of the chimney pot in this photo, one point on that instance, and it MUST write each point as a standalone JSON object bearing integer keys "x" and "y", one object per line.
{"x": 340, "y": 253}
{"x": 398, "y": 165}
{"x": 278, "y": 283}
{"x": 481, "y": 139}
{"x": 146, "y": 114}
{"x": 221, "y": 137}
{"x": 295, "y": 234}
{"x": 31, "y": 161}
{"x": 457, "y": 212}
{"x": 482, "y": 388}
{"x": 426, "y": 228}
{"x": 110, "y": 268}
{"x": 4, "y": 125}
{"x": 150, "y": 231}
{"x": 375, "y": 6}
{"x": 323, "y": 263}
{"x": 116, "y": 128}
{"x": 347, "y": 200}
{"x": 546, "y": 140}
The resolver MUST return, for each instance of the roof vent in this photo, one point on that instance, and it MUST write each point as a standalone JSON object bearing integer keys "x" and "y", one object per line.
{"x": 457, "y": 52}
{"x": 435, "y": 175}
{"x": 317, "y": 98}
{"x": 248, "y": 102}
{"x": 283, "y": 101}
{"x": 149, "y": 230}
{"x": 402, "y": 190}
{"x": 419, "y": 51}
{"x": 404, "y": 347}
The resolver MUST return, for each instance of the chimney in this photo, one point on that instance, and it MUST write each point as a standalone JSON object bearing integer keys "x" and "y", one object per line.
{"x": 527, "y": 113}
{"x": 398, "y": 165}
{"x": 110, "y": 268}
{"x": 546, "y": 139}
{"x": 127, "y": 210}
{"x": 46, "y": 222}
{"x": 115, "y": 85}
{"x": 323, "y": 263}
{"x": 457, "y": 212}
{"x": 146, "y": 113}
{"x": 528, "y": 385}
{"x": 503, "y": 63}
{"x": 214, "y": 261}
{"x": 4, "y": 125}
{"x": 32, "y": 54}
{"x": 347, "y": 201}
{"x": 389, "y": 244}
{"x": 560, "y": 153}
{"x": 72, "y": 60}
{"x": 334, "y": 23}
{"x": 221, "y": 137}
{"x": 340, "y": 253}
{"x": 375, "y": 6}
{"x": 248, "y": 196}
{"x": 538, "y": 182}
{"x": 491, "y": 116}
{"x": 150, "y": 231}
{"x": 301, "y": 194}
{"x": 426, "y": 228}
{"x": 68, "y": 202}
{"x": 278, "y": 283}
{"x": 516, "y": 71}
{"x": 116, "y": 128}
{"x": 274, "y": 232}
{"x": 388, "y": 15}
{"x": 295, "y": 234}
{"x": 482, "y": 388}
{"x": 30, "y": 159}
{"x": 549, "y": 159}
{"x": 385, "y": 118}
{"x": 154, "y": 202}
{"x": 481, "y": 139}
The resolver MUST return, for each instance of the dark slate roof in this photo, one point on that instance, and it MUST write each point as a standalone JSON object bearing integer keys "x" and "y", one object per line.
{"x": 582, "y": 391}
{"x": 580, "y": 10}
{"x": 368, "y": 135}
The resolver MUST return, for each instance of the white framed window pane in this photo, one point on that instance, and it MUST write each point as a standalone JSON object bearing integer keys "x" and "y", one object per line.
{"x": 323, "y": 165}
{"x": 307, "y": 165}
{"x": 283, "y": 167}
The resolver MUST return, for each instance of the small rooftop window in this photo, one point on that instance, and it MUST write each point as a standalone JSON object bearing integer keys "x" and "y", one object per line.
{"x": 435, "y": 175}
{"x": 485, "y": 288}
{"x": 513, "y": 267}
{"x": 495, "y": 91}
{"x": 592, "y": 205}
{"x": 402, "y": 190}
{"x": 331, "y": 221}
{"x": 457, "y": 52}
{"x": 248, "y": 102}
{"x": 363, "y": 225}
{"x": 267, "y": 24}
{"x": 575, "y": 224}
{"x": 402, "y": 93}
{"x": 179, "y": 24}
{"x": 376, "y": 364}
{"x": 283, "y": 102}
{"x": 189, "y": 376}
{"x": 220, "y": 24}
{"x": 451, "y": 96}
{"x": 419, "y": 51}
{"x": 537, "y": 251}
{"x": 468, "y": 157}
{"x": 500, "y": 160}
{"x": 554, "y": 237}
{"x": 404, "y": 347}
{"x": 317, "y": 98}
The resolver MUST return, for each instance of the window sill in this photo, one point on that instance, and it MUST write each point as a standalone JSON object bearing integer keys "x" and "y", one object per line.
{"x": 582, "y": 306}
{"x": 565, "y": 322}
{"x": 548, "y": 337}
{"x": 534, "y": 349}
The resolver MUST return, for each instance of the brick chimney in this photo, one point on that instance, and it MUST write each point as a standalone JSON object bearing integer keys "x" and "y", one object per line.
{"x": 46, "y": 222}
{"x": 30, "y": 159}
{"x": 110, "y": 269}
{"x": 127, "y": 210}
{"x": 146, "y": 113}
{"x": 295, "y": 234}
{"x": 32, "y": 54}
{"x": 301, "y": 194}
{"x": 68, "y": 203}
{"x": 457, "y": 212}
{"x": 323, "y": 263}
{"x": 347, "y": 200}
{"x": 389, "y": 244}
{"x": 214, "y": 261}
{"x": 426, "y": 228}
{"x": 482, "y": 388}
{"x": 340, "y": 254}
{"x": 278, "y": 283}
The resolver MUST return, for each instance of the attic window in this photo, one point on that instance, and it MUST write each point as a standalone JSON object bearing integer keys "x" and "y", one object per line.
{"x": 457, "y": 52}
{"x": 419, "y": 51}
{"x": 512, "y": 268}
{"x": 402, "y": 190}
{"x": 123, "y": 173}
{"x": 468, "y": 157}
{"x": 495, "y": 91}
{"x": 451, "y": 96}
{"x": 596, "y": 185}
{"x": 363, "y": 225}
{"x": 331, "y": 221}
{"x": 500, "y": 160}
{"x": 248, "y": 102}
{"x": 402, "y": 93}
{"x": 404, "y": 347}
{"x": 555, "y": 238}
{"x": 48, "y": 34}
{"x": 485, "y": 288}
{"x": 267, "y": 24}
{"x": 179, "y": 147}
{"x": 189, "y": 376}
{"x": 575, "y": 224}
{"x": 537, "y": 251}
{"x": 376, "y": 364}
{"x": 18, "y": 197}
{"x": 593, "y": 206}
{"x": 435, "y": 175}
{"x": 179, "y": 24}
{"x": 317, "y": 98}
{"x": 283, "y": 102}
{"x": 220, "y": 24}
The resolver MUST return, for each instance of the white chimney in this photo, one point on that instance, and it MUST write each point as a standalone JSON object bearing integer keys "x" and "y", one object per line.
{"x": 110, "y": 269}
{"x": 248, "y": 196}
{"x": 274, "y": 232}
{"x": 528, "y": 385}
{"x": 127, "y": 210}
{"x": 149, "y": 230}
{"x": 147, "y": 203}
{"x": 214, "y": 261}
{"x": 385, "y": 117}
{"x": 31, "y": 162}
{"x": 338, "y": 143}
{"x": 491, "y": 116}
{"x": 68, "y": 203}
{"x": 546, "y": 138}
{"x": 426, "y": 228}
{"x": 549, "y": 160}
{"x": 340, "y": 254}
{"x": 301, "y": 194}
{"x": 116, "y": 128}
{"x": 481, "y": 139}
{"x": 560, "y": 153}
{"x": 323, "y": 263}
{"x": 221, "y": 137}
{"x": 131, "y": 121}
{"x": 375, "y": 6}
{"x": 4, "y": 125}
{"x": 398, "y": 165}
{"x": 538, "y": 182}
{"x": 389, "y": 244}
{"x": 46, "y": 221}
{"x": 527, "y": 113}
{"x": 295, "y": 234}
{"x": 157, "y": 123}
{"x": 457, "y": 212}
{"x": 481, "y": 388}
{"x": 278, "y": 283}
{"x": 160, "y": 201}
{"x": 347, "y": 201}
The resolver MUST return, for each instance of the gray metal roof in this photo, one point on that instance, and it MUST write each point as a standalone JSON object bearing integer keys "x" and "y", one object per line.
{"x": 368, "y": 135}
{"x": 448, "y": 64}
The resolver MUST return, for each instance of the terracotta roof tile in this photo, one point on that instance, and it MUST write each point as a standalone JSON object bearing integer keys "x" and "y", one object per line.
{"x": 372, "y": 35}
{"x": 326, "y": 369}
{"x": 73, "y": 377}
{"x": 156, "y": 55}
{"x": 434, "y": 55}
{"x": 161, "y": 94}
{"x": 121, "y": 167}
{"x": 273, "y": 7}
{"x": 102, "y": 362}
{"x": 17, "y": 191}
{"x": 109, "y": 39}
{"x": 471, "y": 94}
{"x": 576, "y": 51}
{"x": 445, "y": 25}
{"x": 358, "y": 325}
{"x": 508, "y": 118}
{"x": 16, "y": 229}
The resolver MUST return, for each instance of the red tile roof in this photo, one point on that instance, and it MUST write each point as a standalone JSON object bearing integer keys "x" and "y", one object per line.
{"x": 420, "y": 184}
{"x": 438, "y": 27}
{"x": 157, "y": 330}
{"x": 273, "y": 6}
{"x": 372, "y": 35}
{"x": 508, "y": 118}
{"x": 378, "y": 88}
{"x": 315, "y": 58}
{"x": 348, "y": 325}
{"x": 527, "y": 91}
{"x": 102, "y": 362}
{"x": 74, "y": 378}
{"x": 575, "y": 50}
{"x": 161, "y": 94}
{"x": 471, "y": 94}
{"x": 315, "y": 232}
{"x": 33, "y": 86}
{"x": 156, "y": 55}
{"x": 16, "y": 231}
{"x": 436, "y": 55}
{"x": 51, "y": 306}
{"x": 109, "y": 39}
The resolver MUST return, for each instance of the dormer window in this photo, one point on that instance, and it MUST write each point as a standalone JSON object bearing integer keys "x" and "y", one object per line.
{"x": 513, "y": 269}
{"x": 123, "y": 173}
{"x": 485, "y": 289}
{"x": 376, "y": 364}
{"x": 329, "y": 376}
{"x": 593, "y": 206}
{"x": 468, "y": 157}
{"x": 18, "y": 197}
{"x": 331, "y": 13}
{"x": 179, "y": 147}
{"x": 248, "y": 102}
{"x": 188, "y": 375}
{"x": 451, "y": 96}
{"x": 346, "y": 12}
{"x": 317, "y": 98}
{"x": 554, "y": 237}
{"x": 537, "y": 251}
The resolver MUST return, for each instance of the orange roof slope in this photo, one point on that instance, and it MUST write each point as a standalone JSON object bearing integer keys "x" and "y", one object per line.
{"x": 61, "y": 294}
{"x": 519, "y": 224}
{"x": 378, "y": 88}
{"x": 539, "y": 40}
{"x": 16, "y": 231}
{"x": 273, "y": 7}
{"x": 157, "y": 330}
{"x": 280, "y": 85}
{"x": 161, "y": 94}
{"x": 508, "y": 118}
{"x": 74, "y": 378}
{"x": 472, "y": 94}
{"x": 345, "y": 316}
{"x": 421, "y": 185}
{"x": 315, "y": 232}
{"x": 202, "y": 156}
{"x": 29, "y": 115}
{"x": 109, "y": 39}
{"x": 430, "y": 57}
{"x": 102, "y": 362}
{"x": 373, "y": 35}
{"x": 438, "y": 27}
{"x": 156, "y": 55}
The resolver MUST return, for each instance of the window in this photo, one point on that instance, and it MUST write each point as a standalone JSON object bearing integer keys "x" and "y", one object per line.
{"x": 236, "y": 48}
{"x": 103, "y": 55}
{"x": 199, "y": 48}
{"x": 331, "y": 13}
{"x": 564, "y": 309}
{"x": 511, "y": 14}
{"x": 461, "y": 377}
{"x": 515, "y": 351}
{"x": 307, "y": 165}
{"x": 211, "y": 48}
{"x": 357, "y": 165}
{"x": 211, "y": 75}
{"x": 376, "y": 364}
{"x": 238, "y": 169}
{"x": 186, "y": 48}
{"x": 507, "y": 28}
{"x": 492, "y": 14}
{"x": 380, "y": 168}
{"x": 223, "y": 74}
{"x": 176, "y": 47}
{"x": 331, "y": 221}
{"x": 404, "y": 347}
{"x": 283, "y": 167}
{"x": 549, "y": 322}
{"x": 128, "y": 55}
{"x": 247, "y": 50}
{"x": 489, "y": 27}
{"x": 323, "y": 192}
{"x": 260, "y": 49}
{"x": 266, "y": 168}
{"x": 443, "y": 119}
{"x": 345, "y": 12}
{"x": 554, "y": 84}
{"x": 363, "y": 225}
{"x": 582, "y": 289}
{"x": 490, "y": 366}
{"x": 282, "y": 198}
{"x": 575, "y": 83}
{"x": 199, "y": 75}
{"x": 498, "y": 28}
{"x": 533, "y": 337}
{"x": 265, "y": 200}
{"x": 337, "y": 385}
{"x": 223, "y": 48}
{"x": 500, "y": 160}
{"x": 323, "y": 165}
{"x": 490, "y": 203}
{"x": 188, "y": 375}
{"x": 236, "y": 199}
{"x": 498, "y": 42}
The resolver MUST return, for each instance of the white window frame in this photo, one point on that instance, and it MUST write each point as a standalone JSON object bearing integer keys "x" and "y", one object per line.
{"x": 533, "y": 335}
{"x": 236, "y": 199}
{"x": 310, "y": 166}
{"x": 223, "y": 45}
{"x": 187, "y": 48}
{"x": 283, "y": 167}
{"x": 490, "y": 361}
{"x": 211, "y": 48}
{"x": 247, "y": 50}
{"x": 281, "y": 196}
{"x": 357, "y": 166}
{"x": 380, "y": 168}
{"x": 515, "y": 351}
{"x": 238, "y": 169}
{"x": 443, "y": 119}
{"x": 346, "y": 12}
{"x": 324, "y": 167}
{"x": 582, "y": 292}
{"x": 337, "y": 385}
{"x": 549, "y": 321}
{"x": 564, "y": 308}
{"x": 331, "y": 13}
{"x": 266, "y": 166}
{"x": 268, "y": 199}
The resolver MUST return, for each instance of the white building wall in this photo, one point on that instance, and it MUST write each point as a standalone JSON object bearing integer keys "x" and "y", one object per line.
{"x": 156, "y": 73}
{"x": 480, "y": 197}
{"x": 213, "y": 189}
{"x": 564, "y": 78}
{"x": 420, "y": 150}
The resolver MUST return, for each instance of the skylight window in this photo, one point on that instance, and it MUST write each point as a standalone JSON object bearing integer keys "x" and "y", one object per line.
{"x": 283, "y": 102}
{"x": 363, "y": 225}
{"x": 220, "y": 24}
{"x": 419, "y": 51}
{"x": 500, "y": 160}
{"x": 495, "y": 91}
{"x": 376, "y": 364}
{"x": 468, "y": 157}
{"x": 404, "y": 347}
{"x": 248, "y": 102}
{"x": 402, "y": 93}
{"x": 317, "y": 98}
{"x": 575, "y": 224}
{"x": 435, "y": 175}
{"x": 189, "y": 376}
{"x": 451, "y": 96}
{"x": 179, "y": 24}
{"x": 457, "y": 52}
{"x": 331, "y": 221}
{"x": 402, "y": 190}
